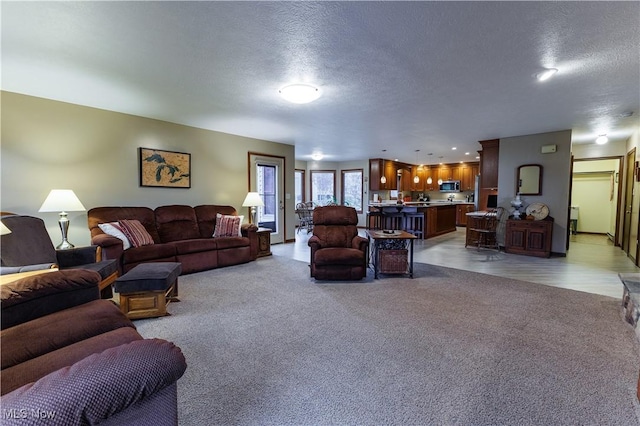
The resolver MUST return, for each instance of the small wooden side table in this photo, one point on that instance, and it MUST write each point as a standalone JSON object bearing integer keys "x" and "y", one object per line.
{"x": 264, "y": 242}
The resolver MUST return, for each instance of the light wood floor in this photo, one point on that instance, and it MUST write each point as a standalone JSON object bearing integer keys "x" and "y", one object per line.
{"x": 592, "y": 263}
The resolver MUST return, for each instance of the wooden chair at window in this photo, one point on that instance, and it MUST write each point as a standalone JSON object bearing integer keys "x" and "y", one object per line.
{"x": 305, "y": 216}
{"x": 484, "y": 230}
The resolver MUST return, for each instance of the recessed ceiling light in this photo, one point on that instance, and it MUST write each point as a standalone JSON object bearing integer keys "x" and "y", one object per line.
{"x": 453, "y": 148}
{"x": 602, "y": 139}
{"x": 300, "y": 93}
{"x": 317, "y": 156}
{"x": 546, "y": 74}
{"x": 466, "y": 153}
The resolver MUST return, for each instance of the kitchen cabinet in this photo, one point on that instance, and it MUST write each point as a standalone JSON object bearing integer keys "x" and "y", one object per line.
{"x": 379, "y": 167}
{"x": 465, "y": 173}
{"x": 489, "y": 163}
{"x": 461, "y": 213}
{"x": 432, "y": 222}
{"x": 529, "y": 237}
{"x": 456, "y": 173}
{"x": 434, "y": 175}
{"x": 468, "y": 180}
{"x": 405, "y": 180}
{"x": 421, "y": 173}
{"x": 488, "y": 171}
{"x": 444, "y": 172}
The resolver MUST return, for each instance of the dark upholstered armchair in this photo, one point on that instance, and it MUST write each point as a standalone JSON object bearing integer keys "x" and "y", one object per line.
{"x": 337, "y": 252}
{"x": 29, "y": 248}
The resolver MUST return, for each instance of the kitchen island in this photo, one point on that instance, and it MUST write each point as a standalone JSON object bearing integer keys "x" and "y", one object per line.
{"x": 439, "y": 216}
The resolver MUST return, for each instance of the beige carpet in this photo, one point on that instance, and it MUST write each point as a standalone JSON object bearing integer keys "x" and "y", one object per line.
{"x": 267, "y": 345}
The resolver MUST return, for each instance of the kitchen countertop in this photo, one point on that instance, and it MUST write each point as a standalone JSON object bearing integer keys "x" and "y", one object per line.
{"x": 420, "y": 203}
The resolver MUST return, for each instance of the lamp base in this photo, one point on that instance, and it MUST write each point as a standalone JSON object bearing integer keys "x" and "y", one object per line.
{"x": 64, "y": 228}
{"x": 64, "y": 245}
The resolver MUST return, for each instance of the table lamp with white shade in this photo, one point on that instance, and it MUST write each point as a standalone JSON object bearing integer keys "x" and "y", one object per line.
{"x": 253, "y": 200}
{"x": 4, "y": 230}
{"x": 63, "y": 201}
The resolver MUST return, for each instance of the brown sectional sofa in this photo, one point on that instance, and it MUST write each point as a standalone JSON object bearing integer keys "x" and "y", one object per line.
{"x": 180, "y": 234}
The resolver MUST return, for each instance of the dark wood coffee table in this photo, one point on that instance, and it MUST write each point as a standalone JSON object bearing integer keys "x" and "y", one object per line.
{"x": 392, "y": 244}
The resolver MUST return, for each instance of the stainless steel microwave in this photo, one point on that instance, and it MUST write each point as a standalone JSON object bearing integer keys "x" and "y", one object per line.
{"x": 450, "y": 186}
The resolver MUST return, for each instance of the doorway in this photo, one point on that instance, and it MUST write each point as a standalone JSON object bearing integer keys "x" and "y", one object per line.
{"x": 267, "y": 179}
{"x": 596, "y": 196}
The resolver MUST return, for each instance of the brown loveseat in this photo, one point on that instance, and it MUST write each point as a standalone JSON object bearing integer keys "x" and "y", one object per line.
{"x": 77, "y": 359}
{"x": 180, "y": 234}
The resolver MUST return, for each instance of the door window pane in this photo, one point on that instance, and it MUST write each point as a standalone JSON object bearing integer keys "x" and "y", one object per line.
{"x": 266, "y": 180}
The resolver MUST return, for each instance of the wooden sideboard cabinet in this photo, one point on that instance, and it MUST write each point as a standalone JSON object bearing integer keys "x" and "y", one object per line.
{"x": 529, "y": 237}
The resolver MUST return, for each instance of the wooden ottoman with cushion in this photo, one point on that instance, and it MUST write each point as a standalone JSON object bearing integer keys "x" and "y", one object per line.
{"x": 146, "y": 290}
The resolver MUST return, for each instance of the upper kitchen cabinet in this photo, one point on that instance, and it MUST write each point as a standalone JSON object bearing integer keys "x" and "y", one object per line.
{"x": 405, "y": 178}
{"x": 489, "y": 163}
{"x": 378, "y": 168}
{"x": 418, "y": 173}
{"x": 444, "y": 172}
{"x": 468, "y": 176}
{"x": 434, "y": 175}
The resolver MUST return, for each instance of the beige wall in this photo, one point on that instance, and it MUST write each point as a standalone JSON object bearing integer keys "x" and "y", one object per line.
{"x": 518, "y": 150}
{"x": 48, "y": 144}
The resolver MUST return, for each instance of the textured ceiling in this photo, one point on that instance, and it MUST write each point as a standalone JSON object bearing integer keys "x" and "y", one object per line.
{"x": 400, "y": 76}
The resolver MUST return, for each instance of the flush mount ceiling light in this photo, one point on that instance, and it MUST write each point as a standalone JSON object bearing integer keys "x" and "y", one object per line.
{"x": 317, "y": 156}
{"x": 602, "y": 139}
{"x": 300, "y": 93}
{"x": 546, "y": 74}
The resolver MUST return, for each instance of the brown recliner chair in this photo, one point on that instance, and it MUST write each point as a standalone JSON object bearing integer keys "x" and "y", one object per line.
{"x": 29, "y": 248}
{"x": 337, "y": 252}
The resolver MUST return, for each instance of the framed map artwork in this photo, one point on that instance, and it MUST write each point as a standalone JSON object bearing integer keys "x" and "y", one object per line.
{"x": 168, "y": 169}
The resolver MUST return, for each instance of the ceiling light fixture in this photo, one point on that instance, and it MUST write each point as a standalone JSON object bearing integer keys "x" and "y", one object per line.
{"x": 300, "y": 93}
{"x": 546, "y": 74}
{"x": 602, "y": 139}
{"x": 317, "y": 156}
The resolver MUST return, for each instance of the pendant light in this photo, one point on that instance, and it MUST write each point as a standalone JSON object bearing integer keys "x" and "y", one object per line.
{"x": 383, "y": 178}
{"x": 429, "y": 180}
{"x": 416, "y": 179}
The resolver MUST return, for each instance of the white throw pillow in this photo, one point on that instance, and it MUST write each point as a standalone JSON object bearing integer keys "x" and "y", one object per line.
{"x": 114, "y": 230}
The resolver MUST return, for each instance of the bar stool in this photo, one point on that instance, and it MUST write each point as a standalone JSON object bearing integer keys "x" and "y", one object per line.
{"x": 414, "y": 222}
{"x": 376, "y": 217}
{"x": 392, "y": 218}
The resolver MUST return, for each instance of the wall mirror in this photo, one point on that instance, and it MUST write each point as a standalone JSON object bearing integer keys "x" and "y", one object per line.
{"x": 530, "y": 179}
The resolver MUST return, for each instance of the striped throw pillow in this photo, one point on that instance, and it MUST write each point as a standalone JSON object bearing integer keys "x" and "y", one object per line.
{"x": 135, "y": 232}
{"x": 114, "y": 229}
{"x": 228, "y": 226}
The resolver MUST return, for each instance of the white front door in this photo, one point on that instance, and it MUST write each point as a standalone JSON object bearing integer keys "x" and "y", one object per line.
{"x": 267, "y": 179}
